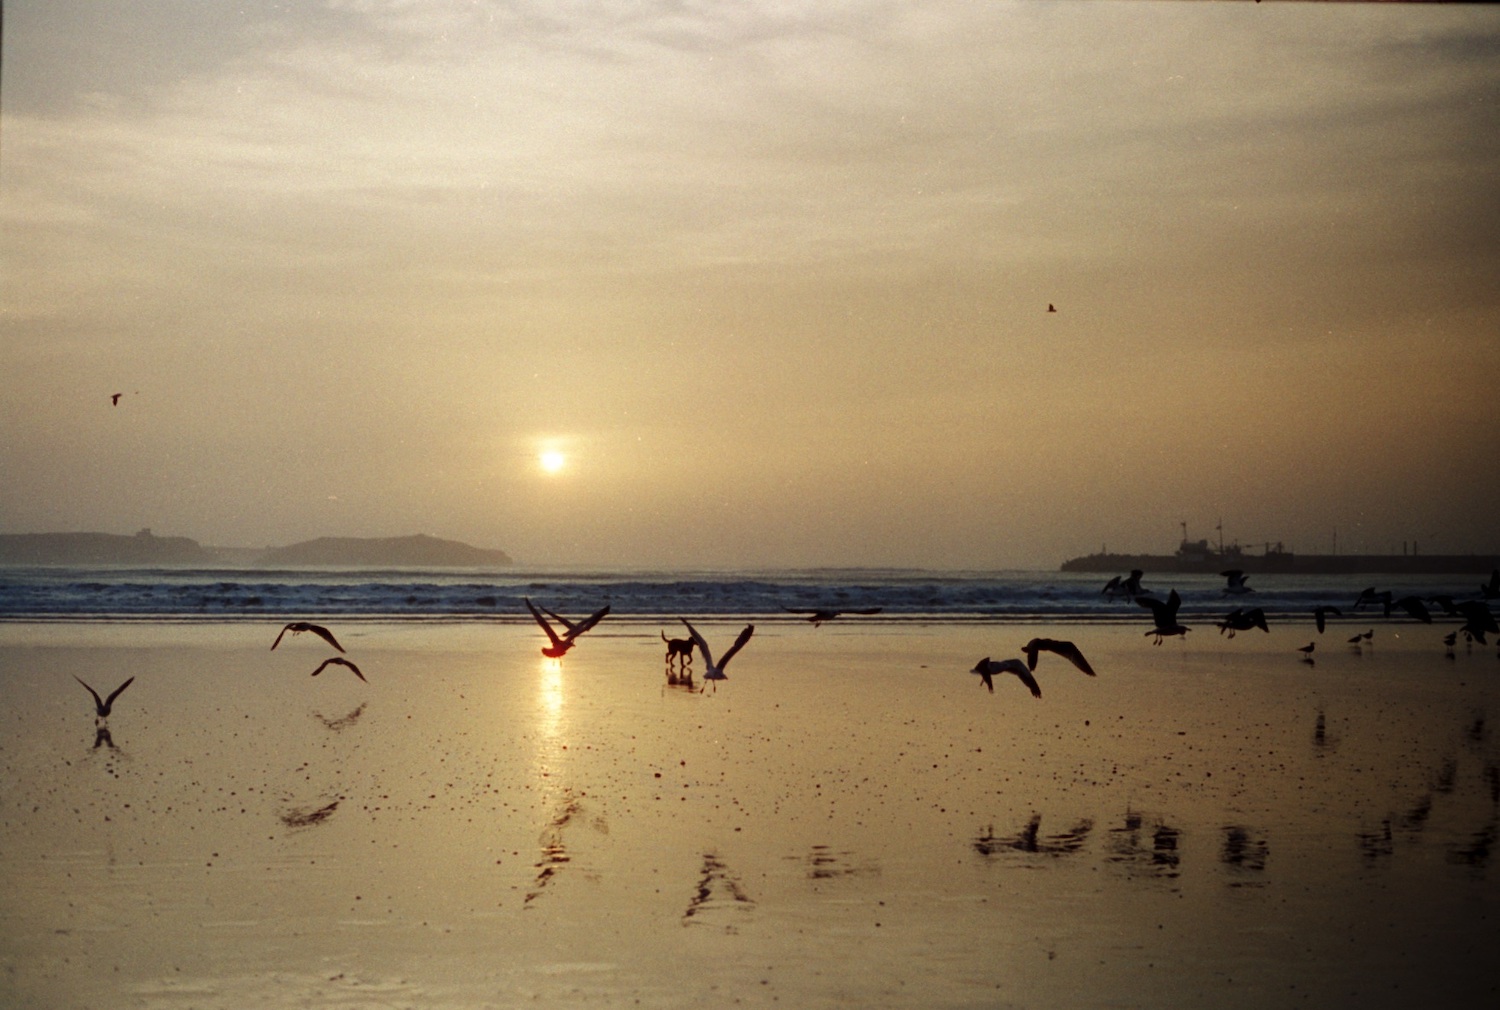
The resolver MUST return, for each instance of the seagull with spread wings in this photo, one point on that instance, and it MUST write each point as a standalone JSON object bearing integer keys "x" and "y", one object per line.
{"x": 987, "y": 668}
{"x": 298, "y": 627}
{"x": 1164, "y": 614}
{"x": 102, "y": 708}
{"x": 716, "y": 669}
{"x": 571, "y": 629}
{"x": 341, "y": 661}
{"x": 1067, "y": 650}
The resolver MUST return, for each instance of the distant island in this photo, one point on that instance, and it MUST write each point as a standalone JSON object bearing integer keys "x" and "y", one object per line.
{"x": 413, "y": 551}
{"x": 145, "y": 548}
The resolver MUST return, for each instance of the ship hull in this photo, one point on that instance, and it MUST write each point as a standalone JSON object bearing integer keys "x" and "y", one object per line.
{"x": 1292, "y": 564}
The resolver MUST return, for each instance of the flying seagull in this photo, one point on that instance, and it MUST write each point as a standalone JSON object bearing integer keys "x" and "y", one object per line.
{"x": 1320, "y": 615}
{"x": 987, "y": 668}
{"x": 562, "y": 643}
{"x": 1243, "y": 620}
{"x": 1164, "y": 614}
{"x": 341, "y": 661}
{"x": 102, "y": 708}
{"x": 114, "y": 399}
{"x": 1067, "y": 650}
{"x": 1415, "y": 607}
{"x": 298, "y": 627}
{"x": 1236, "y": 585}
{"x": 716, "y": 670}
{"x": 1051, "y": 307}
{"x": 821, "y": 614}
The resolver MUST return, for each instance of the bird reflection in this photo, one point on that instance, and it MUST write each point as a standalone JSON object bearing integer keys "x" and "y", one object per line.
{"x": 716, "y": 887}
{"x": 1127, "y": 847}
{"x": 103, "y": 739}
{"x": 343, "y": 722}
{"x": 1030, "y": 840}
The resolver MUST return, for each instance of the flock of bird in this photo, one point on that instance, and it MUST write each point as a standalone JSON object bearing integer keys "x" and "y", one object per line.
{"x": 1478, "y": 622}
{"x": 1477, "y": 619}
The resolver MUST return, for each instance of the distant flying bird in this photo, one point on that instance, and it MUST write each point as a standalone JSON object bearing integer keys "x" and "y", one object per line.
{"x": 562, "y": 643}
{"x": 1236, "y": 586}
{"x": 1128, "y": 586}
{"x": 341, "y": 661}
{"x": 1415, "y": 607}
{"x": 1243, "y": 620}
{"x": 821, "y": 614}
{"x": 102, "y": 708}
{"x": 716, "y": 670}
{"x": 1067, "y": 650}
{"x": 1320, "y": 615}
{"x": 114, "y": 399}
{"x": 1051, "y": 307}
{"x": 298, "y": 627}
{"x": 987, "y": 668}
{"x": 1164, "y": 614}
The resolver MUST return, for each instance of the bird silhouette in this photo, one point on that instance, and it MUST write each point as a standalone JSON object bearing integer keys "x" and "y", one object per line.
{"x": 1320, "y": 616}
{"x": 1067, "y": 650}
{"x": 562, "y": 643}
{"x": 341, "y": 661}
{"x": 716, "y": 669}
{"x": 821, "y": 614}
{"x": 1051, "y": 307}
{"x": 298, "y": 627}
{"x": 102, "y": 708}
{"x": 1164, "y": 614}
{"x": 1307, "y": 651}
{"x": 1243, "y": 620}
{"x": 1415, "y": 607}
{"x": 1371, "y": 596}
{"x": 1491, "y": 590}
{"x": 114, "y": 399}
{"x": 987, "y": 668}
{"x": 1236, "y": 584}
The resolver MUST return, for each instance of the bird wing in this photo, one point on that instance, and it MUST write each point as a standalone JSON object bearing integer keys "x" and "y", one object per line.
{"x": 1111, "y": 585}
{"x": 867, "y": 611}
{"x": 1157, "y": 607}
{"x": 803, "y": 610}
{"x": 560, "y": 619}
{"x": 340, "y": 662}
{"x": 1258, "y": 620}
{"x": 283, "y": 631}
{"x": 1030, "y": 649}
{"x": 708, "y": 657}
{"x": 354, "y": 669}
{"x": 540, "y": 620}
{"x": 739, "y": 643}
{"x": 325, "y": 635}
{"x": 984, "y": 675}
{"x": 1173, "y": 602}
{"x": 1070, "y": 652}
{"x": 116, "y": 692}
{"x": 98, "y": 704}
{"x": 588, "y": 622}
{"x": 1018, "y": 668}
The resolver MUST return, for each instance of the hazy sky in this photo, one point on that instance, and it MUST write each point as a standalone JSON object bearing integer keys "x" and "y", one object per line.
{"x": 772, "y": 276}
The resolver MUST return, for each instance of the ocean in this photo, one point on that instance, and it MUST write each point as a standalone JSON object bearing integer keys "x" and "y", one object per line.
{"x": 408, "y": 594}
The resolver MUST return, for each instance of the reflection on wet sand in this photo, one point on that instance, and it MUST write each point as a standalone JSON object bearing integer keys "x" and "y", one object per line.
{"x": 1477, "y": 852}
{"x": 1127, "y": 847}
{"x": 1029, "y": 840}
{"x": 825, "y": 864}
{"x": 343, "y": 722}
{"x": 1243, "y": 852}
{"x": 717, "y": 888}
{"x": 102, "y": 738}
{"x": 554, "y": 853}
{"x": 305, "y": 817}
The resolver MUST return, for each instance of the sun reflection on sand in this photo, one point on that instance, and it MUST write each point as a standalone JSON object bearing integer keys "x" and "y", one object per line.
{"x": 549, "y": 708}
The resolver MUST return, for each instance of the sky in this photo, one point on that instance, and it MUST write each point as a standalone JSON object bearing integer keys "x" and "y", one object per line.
{"x": 769, "y": 280}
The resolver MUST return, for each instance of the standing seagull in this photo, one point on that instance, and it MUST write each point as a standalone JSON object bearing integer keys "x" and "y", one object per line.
{"x": 821, "y": 614}
{"x": 1067, "y": 650}
{"x": 341, "y": 661}
{"x": 1165, "y": 616}
{"x": 102, "y": 708}
{"x": 298, "y": 627}
{"x": 987, "y": 668}
{"x": 1307, "y": 651}
{"x": 561, "y": 644}
{"x": 716, "y": 670}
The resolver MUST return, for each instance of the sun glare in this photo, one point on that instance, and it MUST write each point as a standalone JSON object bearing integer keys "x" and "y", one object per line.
{"x": 552, "y": 461}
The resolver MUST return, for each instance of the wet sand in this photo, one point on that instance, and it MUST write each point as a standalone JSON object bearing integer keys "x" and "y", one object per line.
{"x": 850, "y": 819}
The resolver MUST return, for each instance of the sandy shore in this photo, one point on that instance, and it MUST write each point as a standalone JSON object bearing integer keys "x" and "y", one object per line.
{"x": 849, "y": 820}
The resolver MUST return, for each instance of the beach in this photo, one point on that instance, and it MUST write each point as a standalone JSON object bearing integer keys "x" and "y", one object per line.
{"x": 849, "y": 819}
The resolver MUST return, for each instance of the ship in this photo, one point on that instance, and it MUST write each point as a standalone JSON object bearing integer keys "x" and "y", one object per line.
{"x": 1200, "y": 556}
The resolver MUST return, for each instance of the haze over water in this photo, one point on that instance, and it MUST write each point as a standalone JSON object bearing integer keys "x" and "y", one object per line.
{"x": 746, "y": 286}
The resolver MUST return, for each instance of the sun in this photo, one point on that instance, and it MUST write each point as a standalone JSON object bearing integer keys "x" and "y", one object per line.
{"x": 552, "y": 461}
